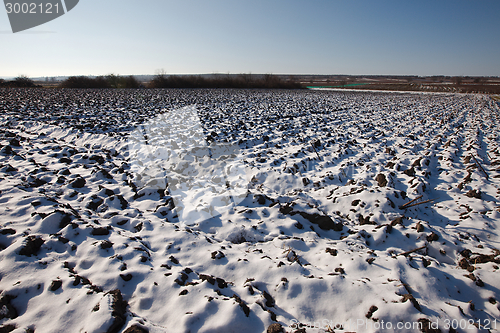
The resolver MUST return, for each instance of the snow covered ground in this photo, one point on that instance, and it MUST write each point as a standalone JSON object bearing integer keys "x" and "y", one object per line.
{"x": 240, "y": 211}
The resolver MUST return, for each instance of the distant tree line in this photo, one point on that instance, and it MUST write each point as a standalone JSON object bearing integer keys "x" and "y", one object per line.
{"x": 267, "y": 81}
{"x": 108, "y": 81}
{"x": 18, "y": 82}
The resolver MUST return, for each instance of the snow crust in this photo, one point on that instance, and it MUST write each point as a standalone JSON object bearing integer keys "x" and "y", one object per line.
{"x": 295, "y": 210}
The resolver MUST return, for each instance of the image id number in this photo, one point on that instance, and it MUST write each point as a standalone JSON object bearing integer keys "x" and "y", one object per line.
{"x": 470, "y": 324}
{"x": 32, "y": 8}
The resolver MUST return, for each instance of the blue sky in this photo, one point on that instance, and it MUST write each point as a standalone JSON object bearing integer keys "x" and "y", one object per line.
{"x": 273, "y": 36}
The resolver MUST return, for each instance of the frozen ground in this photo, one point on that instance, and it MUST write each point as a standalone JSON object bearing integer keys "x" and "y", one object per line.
{"x": 314, "y": 230}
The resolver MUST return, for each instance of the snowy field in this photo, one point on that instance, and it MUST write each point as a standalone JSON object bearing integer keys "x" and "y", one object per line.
{"x": 240, "y": 211}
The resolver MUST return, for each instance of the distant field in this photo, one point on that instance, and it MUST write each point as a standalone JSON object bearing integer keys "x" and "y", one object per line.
{"x": 487, "y": 88}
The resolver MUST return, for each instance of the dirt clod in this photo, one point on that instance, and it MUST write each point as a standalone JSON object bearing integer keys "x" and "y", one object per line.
{"x": 432, "y": 237}
{"x": 101, "y": 231}
{"x": 397, "y": 220}
{"x": 474, "y": 194}
{"x": 119, "y": 307}
{"x": 78, "y": 183}
{"x": 410, "y": 172}
{"x": 126, "y": 277}
{"x": 412, "y": 300}
{"x": 8, "y": 310}
{"x": 106, "y": 244}
{"x": 269, "y": 299}
{"x": 365, "y": 220}
{"x": 333, "y": 252}
{"x": 217, "y": 255}
{"x": 381, "y": 180}
{"x": 372, "y": 309}
{"x": 56, "y": 284}
{"x": 242, "y": 304}
{"x": 32, "y": 246}
{"x": 174, "y": 260}
{"x": 208, "y": 278}
{"x": 7, "y": 328}
{"x": 275, "y": 328}
{"x": 325, "y": 222}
